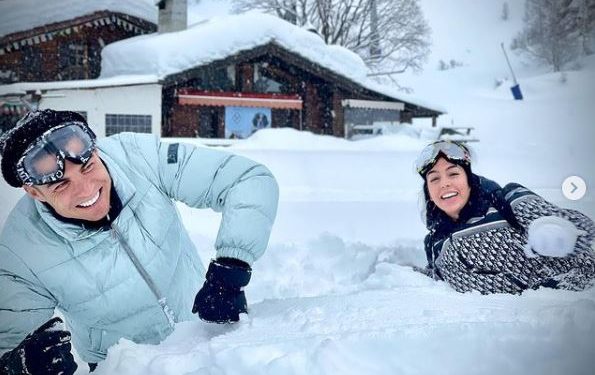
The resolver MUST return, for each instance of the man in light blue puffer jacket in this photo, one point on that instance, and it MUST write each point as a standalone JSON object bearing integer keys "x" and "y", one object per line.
{"x": 98, "y": 237}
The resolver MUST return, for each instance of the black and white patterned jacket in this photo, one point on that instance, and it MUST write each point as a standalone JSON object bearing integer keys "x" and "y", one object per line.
{"x": 483, "y": 250}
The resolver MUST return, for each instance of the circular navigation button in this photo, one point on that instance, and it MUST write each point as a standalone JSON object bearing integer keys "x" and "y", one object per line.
{"x": 574, "y": 188}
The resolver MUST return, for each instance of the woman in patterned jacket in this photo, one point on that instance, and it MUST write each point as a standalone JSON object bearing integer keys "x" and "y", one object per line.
{"x": 498, "y": 240}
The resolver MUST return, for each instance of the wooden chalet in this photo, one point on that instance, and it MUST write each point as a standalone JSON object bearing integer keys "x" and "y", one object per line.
{"x": 300, "y": 94}
{"x": 69, "y": 49}
{"x": 65, "y": 50}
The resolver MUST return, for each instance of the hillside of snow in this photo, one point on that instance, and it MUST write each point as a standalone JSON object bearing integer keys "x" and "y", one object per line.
{"x": 335, "y": 292}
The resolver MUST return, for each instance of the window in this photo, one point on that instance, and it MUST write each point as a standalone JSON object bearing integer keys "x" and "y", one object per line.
{"x": 369, "y": 116}
{"x": 217, "y": 79}
{"x": 369, "y": 121}
{"x": 73, "y": 60}
{"x": 115, "y": 124}
{"x": 264, "y": 82}
{"x": 32, "y": 63}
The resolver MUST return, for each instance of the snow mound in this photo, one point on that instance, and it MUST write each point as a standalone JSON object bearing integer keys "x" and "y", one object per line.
{"x": 409, "y": 138}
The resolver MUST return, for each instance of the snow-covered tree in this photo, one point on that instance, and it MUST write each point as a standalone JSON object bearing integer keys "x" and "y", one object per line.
{"x": 586, "y": 24}
{"x": 505, "y": 11}
{"x": 551, "y": 32}
{"x": 390, "y": 35}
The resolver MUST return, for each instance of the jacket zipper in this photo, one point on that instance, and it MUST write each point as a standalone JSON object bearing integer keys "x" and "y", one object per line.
{"x": 161, "y": 300}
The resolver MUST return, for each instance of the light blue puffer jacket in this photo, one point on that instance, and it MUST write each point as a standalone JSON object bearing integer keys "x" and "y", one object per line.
{"x": 91, "y": 276}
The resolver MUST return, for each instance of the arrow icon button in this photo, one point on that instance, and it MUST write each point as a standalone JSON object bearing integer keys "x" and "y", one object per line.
{"x": 574, "y": 188}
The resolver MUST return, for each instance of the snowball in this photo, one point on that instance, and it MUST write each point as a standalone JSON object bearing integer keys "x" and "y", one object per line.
{"x": 551, "y": 236}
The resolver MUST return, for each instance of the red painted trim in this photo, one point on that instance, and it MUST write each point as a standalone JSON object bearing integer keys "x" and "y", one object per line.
{"x": 238, "y": 99}
{"x": 228, "y": 94}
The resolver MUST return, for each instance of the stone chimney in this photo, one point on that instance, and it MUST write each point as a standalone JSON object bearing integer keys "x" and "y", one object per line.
{"x": 172, "y": 15}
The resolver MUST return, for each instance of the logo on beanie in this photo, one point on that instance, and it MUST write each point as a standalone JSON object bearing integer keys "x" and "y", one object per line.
{"x": 24, "y": 176}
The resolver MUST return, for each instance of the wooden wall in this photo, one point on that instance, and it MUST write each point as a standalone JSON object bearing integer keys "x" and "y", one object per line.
{"x": 322, "y": 96}
{"x": 185, "y": 121}
{"x": 19, "y": 65}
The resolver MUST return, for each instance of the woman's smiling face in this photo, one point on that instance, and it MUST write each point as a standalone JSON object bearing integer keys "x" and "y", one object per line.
{"x": 448, "y": 187}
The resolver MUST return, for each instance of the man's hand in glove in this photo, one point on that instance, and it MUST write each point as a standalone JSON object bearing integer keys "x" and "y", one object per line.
{"x": 45, "y": 351}
{"x": 221, "y": 298}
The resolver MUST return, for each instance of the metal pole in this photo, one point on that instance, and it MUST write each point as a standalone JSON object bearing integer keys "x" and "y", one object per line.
{"x": 516, "y": 89}
{"x": 508, "y": 62}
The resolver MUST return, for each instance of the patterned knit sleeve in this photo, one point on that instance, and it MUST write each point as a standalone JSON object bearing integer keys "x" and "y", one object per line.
{"x": 528, "y": 206}
{"x": 575, "y": 271}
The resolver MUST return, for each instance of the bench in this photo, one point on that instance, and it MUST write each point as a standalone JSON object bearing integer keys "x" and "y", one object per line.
{"x": 374, "y": 128}
{"x": 457, "y": 133}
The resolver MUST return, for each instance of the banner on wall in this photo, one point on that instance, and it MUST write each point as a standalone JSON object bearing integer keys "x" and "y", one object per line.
{"x": 241, "y": 122}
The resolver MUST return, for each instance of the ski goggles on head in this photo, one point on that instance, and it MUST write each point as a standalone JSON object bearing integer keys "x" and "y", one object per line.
{"x": 43, "y": 161}
{"x": 429, "y": 155}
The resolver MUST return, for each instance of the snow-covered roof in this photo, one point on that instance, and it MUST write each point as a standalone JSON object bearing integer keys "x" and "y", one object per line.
{"x": 221, "y": 37}
{"x": 23, "y": 87}
{"x": 21, "y": 15}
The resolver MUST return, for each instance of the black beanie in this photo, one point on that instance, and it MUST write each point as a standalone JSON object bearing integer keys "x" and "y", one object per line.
{"x": 16, "y": 140}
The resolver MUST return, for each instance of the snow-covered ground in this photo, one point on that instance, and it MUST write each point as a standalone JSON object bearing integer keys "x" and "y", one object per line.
{"x": 335, "y": 293}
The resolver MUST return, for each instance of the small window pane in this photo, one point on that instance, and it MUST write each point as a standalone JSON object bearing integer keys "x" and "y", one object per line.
{"x": 117, "y": 123}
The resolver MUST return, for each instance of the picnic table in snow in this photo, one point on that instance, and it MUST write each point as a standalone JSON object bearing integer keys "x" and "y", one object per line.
{"x": 457, "y": 133}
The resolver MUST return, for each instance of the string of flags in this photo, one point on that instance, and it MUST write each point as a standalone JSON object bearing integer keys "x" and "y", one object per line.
{"x": 50, "y": 35}
{"x": 12, "y": 108}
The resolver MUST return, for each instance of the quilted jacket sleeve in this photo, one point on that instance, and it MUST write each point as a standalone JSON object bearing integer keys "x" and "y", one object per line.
{"x": 244, "y": 191}
{"x": 528, "y": 206}
{"x": 24, "y": 304}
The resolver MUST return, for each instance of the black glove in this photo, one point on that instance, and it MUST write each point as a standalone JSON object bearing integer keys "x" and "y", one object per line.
{"x": 221, "y": 298}
{"x": 45, "y": 351}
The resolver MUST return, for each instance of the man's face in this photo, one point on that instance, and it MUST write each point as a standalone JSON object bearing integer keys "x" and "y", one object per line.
{"x": 83, "y": 193}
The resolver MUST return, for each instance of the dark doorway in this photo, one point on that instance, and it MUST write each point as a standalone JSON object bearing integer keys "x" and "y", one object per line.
{"x": 208, "y": 122}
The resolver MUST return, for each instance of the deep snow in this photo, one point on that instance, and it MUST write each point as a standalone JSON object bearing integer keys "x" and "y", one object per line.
{"x": 335, "y": 293}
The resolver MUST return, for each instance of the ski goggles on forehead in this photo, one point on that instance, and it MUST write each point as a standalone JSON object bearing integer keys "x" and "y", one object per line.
{"x": 452, "y": 151}
{"x": 43, "y": 161}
